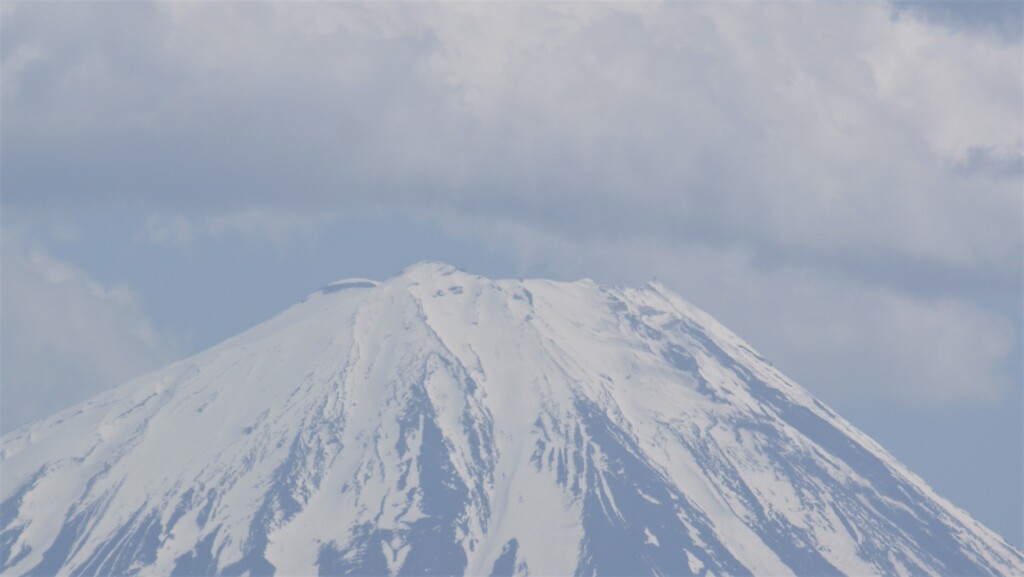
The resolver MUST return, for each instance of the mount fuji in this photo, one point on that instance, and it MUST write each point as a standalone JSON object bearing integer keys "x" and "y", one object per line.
{"x": 441, "y": 423}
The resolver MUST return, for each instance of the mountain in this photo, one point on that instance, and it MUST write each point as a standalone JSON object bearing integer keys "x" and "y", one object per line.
{"x": 440, "y": 423}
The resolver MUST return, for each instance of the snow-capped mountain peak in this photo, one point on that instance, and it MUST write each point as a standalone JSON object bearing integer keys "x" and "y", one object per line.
{"x": 439, "y": 422}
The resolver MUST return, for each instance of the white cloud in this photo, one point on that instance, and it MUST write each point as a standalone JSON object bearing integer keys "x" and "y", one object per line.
{"x": 65, "y": 336}
{"x": 794, "y": 162}
{"x": 950, "y": 86}
{"x": 277, "y": 228}
{"x": 848, "y": 342}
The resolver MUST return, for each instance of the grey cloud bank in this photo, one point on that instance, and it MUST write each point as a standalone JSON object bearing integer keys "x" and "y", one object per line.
{"x": 836, "y": 142}
{"x": 884, "y": 141}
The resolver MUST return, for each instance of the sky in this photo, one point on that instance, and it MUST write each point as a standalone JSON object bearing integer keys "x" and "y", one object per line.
{"x": 839, "y": 183}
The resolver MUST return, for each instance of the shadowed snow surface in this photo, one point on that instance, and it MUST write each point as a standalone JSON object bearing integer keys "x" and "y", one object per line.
{"x": 440, "y": 423}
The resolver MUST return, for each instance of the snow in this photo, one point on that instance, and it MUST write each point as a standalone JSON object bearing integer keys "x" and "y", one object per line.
{"x": 494, "y": 412}
{"x": 694, "y": 564}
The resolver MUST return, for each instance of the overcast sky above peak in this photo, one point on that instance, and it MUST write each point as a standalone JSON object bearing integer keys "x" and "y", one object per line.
{"x": 839, "y": 183}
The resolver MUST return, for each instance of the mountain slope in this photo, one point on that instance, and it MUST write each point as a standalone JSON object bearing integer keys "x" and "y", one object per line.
{"x": 443, "y": 423}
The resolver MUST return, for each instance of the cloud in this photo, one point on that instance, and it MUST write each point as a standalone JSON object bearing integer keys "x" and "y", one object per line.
{"x": 850, "y": 342}
{"x": 865, "y": 152}
{"x": 689, "y": 121}
{"x": 65, "y": 336}
{"x": 277, "y": 228}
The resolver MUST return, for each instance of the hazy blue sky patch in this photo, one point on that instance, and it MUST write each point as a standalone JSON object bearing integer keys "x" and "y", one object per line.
{"x": 1001, "y": 18}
